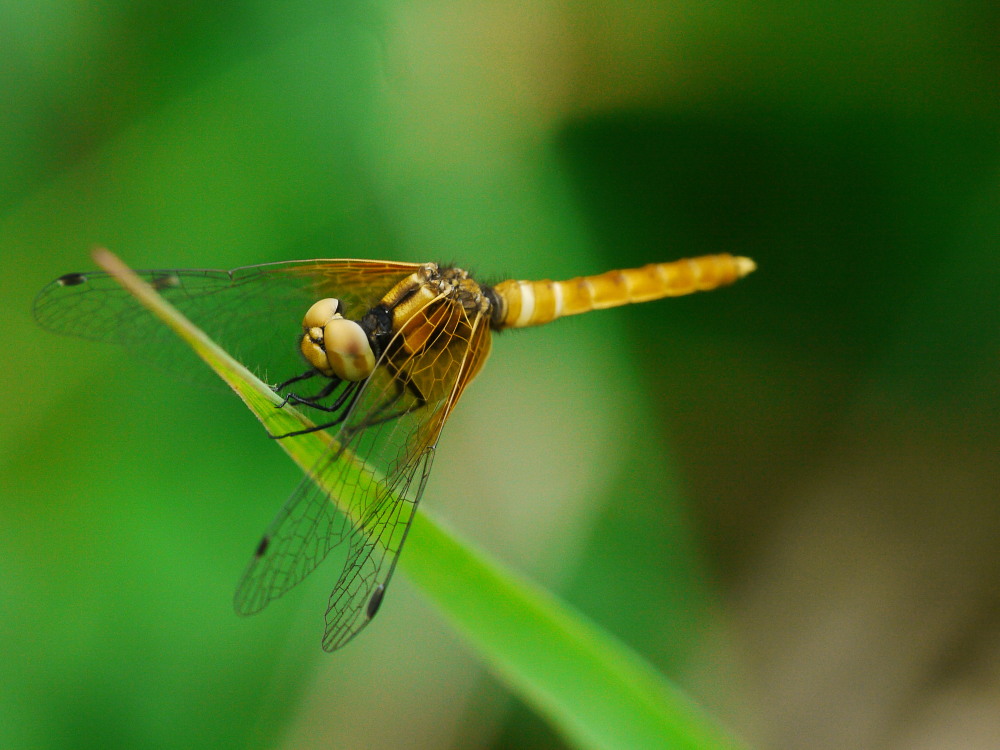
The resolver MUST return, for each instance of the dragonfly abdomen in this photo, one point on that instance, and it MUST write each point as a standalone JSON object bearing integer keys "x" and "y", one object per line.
{"x": 532, "y": 303}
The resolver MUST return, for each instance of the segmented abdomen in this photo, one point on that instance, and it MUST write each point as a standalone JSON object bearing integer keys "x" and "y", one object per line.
{"x": 531, "y": 303}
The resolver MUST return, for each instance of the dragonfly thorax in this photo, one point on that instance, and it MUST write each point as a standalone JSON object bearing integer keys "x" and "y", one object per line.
{"x": 334, "y": 345}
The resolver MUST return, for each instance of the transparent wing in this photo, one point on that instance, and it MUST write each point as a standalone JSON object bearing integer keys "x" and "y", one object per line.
{"x": 254, "y": 312}
{"x": 392, "y": 429}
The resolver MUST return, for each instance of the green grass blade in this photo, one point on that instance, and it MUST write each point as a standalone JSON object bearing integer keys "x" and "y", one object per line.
{"x": 593, "y": 688}
{"x": 596, "y": 691}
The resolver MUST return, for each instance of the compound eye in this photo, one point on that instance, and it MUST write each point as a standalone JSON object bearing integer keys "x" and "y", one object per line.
{"x": 321, "y": 313}
{"x": 348, "y": 350}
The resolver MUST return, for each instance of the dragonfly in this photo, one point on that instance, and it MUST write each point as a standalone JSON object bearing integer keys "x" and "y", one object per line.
{"x": 382, "y": 356}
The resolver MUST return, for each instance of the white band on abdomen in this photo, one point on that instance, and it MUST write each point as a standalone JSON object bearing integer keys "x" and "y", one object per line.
{"x": 527, "y": 304}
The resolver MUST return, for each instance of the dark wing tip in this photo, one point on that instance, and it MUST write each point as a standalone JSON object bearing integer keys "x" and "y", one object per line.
{"x": 71, "y": 279}
{"x": 375, "y": 601}
{"x": 265, "y": 542}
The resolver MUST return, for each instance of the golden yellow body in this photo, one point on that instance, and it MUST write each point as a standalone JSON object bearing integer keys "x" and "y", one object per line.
{"x": 532, "y": 303}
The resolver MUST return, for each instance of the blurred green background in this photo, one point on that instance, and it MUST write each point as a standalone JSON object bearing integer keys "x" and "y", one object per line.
{"x": 783, "y": 494}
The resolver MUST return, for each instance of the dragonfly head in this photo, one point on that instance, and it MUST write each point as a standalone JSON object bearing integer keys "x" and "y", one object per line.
{"x": 334, "y": 345}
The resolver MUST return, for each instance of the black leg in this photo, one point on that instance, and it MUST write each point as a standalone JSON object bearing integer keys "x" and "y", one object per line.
{"x": 352, "y": 391}
{"x": 379, "y": 417}
{"x": 304, "y": 376}
{"x": 313, "y": 402}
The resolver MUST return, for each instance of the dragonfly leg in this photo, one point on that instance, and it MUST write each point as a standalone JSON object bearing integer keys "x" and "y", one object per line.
{"x": 304, "y": 376}
{"x": 298, "y": 378}
{"x": 378, "y": 417}
{"x": 345, "y": 402}
{"x": 314, "y": 402}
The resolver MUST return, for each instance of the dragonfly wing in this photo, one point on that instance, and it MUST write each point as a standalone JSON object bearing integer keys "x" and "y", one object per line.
{"x": 340, "y": 494}
{"x": 298, "y": 540}
{"x": 367, "y": 491}
{"x": 373, "y": 554}
{"x": 253, "y": 312}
